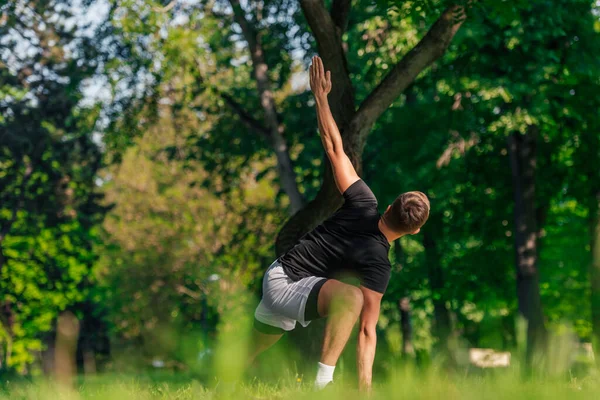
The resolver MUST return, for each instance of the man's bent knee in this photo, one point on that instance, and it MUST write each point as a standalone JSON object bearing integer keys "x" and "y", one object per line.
{"x": 350, "y": 298}
{"x": 339, "y": 296}
{"x": 355, "y": 299}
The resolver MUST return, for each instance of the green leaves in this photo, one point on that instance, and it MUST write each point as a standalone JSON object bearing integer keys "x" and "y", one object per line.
{"x": 512, "y": 66}
{"x": 48, "y": 199}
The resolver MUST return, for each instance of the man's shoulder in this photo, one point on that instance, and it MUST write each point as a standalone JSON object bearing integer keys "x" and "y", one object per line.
{"x": 366, "y": 246}
{"x": 359, "y": 199}
{"x": 359, "y": 189}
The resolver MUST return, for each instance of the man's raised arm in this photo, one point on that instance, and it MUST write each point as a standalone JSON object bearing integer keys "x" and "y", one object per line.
{"x": 343, "y": 170}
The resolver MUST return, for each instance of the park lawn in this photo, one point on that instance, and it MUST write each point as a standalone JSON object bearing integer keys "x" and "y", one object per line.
{"x": 401, "y": 385}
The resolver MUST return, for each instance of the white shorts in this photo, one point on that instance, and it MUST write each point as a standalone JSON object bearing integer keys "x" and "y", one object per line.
{"x": 284, "y": 300}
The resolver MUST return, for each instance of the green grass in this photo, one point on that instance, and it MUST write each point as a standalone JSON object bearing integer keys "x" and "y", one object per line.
{"x": 402, "y": 384}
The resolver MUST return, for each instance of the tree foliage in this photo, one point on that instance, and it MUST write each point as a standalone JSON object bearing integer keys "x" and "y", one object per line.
{"x": 49, "y": 206}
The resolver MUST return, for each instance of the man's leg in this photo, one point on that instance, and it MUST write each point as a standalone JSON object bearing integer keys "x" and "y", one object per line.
{"x": 265, "y": 335}
{"x": 260, "y": 342}
{"x": 342, "y": 304}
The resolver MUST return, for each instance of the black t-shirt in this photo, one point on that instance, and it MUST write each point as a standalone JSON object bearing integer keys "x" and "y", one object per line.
{"x": 349, "y": 241}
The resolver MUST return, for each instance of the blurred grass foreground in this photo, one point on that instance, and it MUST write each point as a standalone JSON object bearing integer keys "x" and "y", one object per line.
{"x": 401, "y": 384}
{"x": 565, "y": 372}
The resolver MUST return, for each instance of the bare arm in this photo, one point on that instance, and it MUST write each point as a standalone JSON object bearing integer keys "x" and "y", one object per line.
{"x": 343, "y": 170}
{"x": 367, "y": 337}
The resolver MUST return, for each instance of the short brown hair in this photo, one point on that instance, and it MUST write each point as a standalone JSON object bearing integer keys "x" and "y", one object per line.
{"x": 408, "y": 213}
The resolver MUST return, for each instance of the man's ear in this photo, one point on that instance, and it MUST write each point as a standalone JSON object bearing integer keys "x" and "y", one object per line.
{"x": 388, "y": 208}
{"x": 417, "y": 231}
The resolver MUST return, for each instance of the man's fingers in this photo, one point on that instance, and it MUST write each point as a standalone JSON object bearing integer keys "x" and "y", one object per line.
{"x": 316, "y": 64}
{"x": 317, "y": 73}
{"x": 321, "y": 70}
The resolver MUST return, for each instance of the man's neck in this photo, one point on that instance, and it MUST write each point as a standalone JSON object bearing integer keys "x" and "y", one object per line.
{"x": 389, "y": 234}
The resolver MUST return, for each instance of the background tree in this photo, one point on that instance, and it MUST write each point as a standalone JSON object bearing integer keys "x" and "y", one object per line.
{"x": 328, "y": 28}
{"x": 48, "y": 203}
{"x": 174, "y": 253}
{"x": 465, "y": 106}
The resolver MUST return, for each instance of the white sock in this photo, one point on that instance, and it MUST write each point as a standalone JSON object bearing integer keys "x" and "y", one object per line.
{"x": 324, "y": 375}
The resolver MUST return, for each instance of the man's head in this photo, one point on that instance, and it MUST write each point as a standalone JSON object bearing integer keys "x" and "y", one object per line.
{"x": 408, "y": 213}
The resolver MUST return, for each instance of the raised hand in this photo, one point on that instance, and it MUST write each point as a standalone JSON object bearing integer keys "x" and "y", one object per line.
{"x": 320, "y": 81}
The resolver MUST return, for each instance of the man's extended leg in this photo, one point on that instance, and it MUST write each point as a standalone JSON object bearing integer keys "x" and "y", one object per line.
{"x": 261, "y": 342}
{"x": 268, "y": 329}
{"x": 342, "y": 304}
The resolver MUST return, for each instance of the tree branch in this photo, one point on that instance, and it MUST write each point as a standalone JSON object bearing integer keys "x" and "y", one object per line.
{"x": 166, "y": 8}
{"x": 184, "y": 290}
{"x": 247, "y": 119}
{"x": 340, "y": 11}
{"x": 260, "y": 69}
{"x": 329, "y": 46}
{"x": 251, "y": 36}
{"x": 430, "y": 48}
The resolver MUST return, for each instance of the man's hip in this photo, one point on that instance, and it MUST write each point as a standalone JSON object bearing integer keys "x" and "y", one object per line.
{"x": 285, "y": 301}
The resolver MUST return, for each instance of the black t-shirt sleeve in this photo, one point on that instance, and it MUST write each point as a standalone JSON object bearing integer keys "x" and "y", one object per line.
{"x": 372, "y": 264}
{"x": 376, "y": 276}
{"x": 359, "y": 195}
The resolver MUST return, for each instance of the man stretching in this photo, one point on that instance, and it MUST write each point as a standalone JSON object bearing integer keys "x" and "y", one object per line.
{"x": 300, "y": 285}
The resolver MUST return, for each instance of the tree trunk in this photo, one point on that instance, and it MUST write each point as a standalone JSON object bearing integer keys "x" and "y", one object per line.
{"x": 595, "y": 278}
{"x": 67, "y": 333}
{"x": 522, "y": 152}
{"x": 285, "y": 168}
{"x": 408, "y": 350}
{"x": 442, "y": 327}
